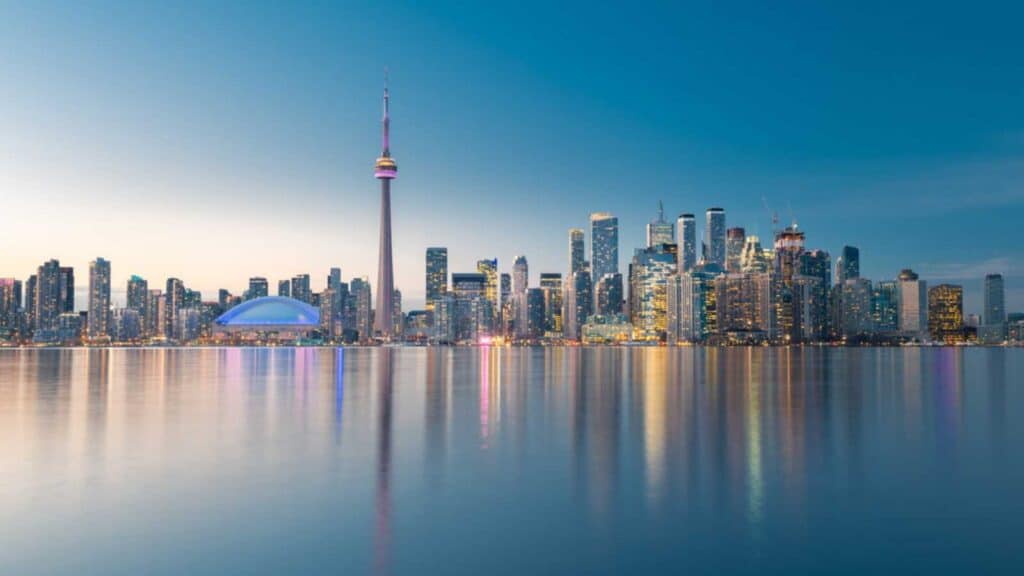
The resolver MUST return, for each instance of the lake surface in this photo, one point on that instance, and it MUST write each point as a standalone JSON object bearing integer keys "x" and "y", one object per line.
{"x": 512, "y": 461}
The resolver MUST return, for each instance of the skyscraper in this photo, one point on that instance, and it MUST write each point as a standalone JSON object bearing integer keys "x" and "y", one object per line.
{"x": 649, "y": 272}
{"x": 437, "y": 275}
{"x": 576, "y": 251}
{"x": 520, "y": 275}
{"x": 67, "y": 289}
{"x": 687, "y": 234}
{"x": 301, "y": 290}
{"x": 995, "y": 306}
{"x": 49, "y": 298}
{"x": 99, "y": 299}
{"x": 946, "y": 313}
{"x": 258, "y": 288}
{"x": 551, "y": 284}
{"x": 138, "y": 295}
{"x": 715, "y": 236}
{"x": 913, "y": 304}
{"x": 520, "y": 284}
{"x": 609, "y": 295}
{"x": 604, "y": 244}
{"x": 735, "y": 238}
{"x": 848, "y": 264}
{"x": 578, "y": 306}
{"x": 489, "y": 268}
{"x": 659, "y": 231}
{"x": 385, "y": 170}
{"x": 174, "y": 297}
{"x": 284, "y": 288}
{"x": 789, "y": 248}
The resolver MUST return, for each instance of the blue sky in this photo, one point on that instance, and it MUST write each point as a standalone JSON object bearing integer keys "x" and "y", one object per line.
{"x": 214, "y": 142}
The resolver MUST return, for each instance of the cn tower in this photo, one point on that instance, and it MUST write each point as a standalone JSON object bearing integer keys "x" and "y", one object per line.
{"x": 385, "y": 170}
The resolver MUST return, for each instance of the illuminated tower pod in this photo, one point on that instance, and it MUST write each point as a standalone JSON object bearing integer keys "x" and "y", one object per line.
{"x": 385, "y": 170}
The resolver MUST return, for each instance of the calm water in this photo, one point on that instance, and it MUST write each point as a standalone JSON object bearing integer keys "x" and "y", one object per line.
{"x": 511, "y": 461}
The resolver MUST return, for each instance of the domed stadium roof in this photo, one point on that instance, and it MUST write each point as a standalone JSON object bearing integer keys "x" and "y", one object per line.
{"x": 271, "y": 312}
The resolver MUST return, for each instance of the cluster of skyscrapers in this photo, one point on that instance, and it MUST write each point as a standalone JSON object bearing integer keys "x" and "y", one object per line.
{"x": 732, "y": 290}
{"x": 728, "y": 289}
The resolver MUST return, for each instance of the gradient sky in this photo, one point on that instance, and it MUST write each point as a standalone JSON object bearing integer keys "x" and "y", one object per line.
{"x": 214, "y": 142}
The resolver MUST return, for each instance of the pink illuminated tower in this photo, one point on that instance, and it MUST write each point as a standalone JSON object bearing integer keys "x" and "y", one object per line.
{"x": 386, "y": 170}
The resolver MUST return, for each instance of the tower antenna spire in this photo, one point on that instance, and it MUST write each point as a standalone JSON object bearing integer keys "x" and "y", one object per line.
{"x": 387, "y": 119}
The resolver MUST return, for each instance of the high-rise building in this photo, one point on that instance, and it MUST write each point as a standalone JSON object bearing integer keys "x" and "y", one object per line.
{"x": 284, "y": 289}
{"x": 385, "y": 170}
{"x": 691, "y": 314}
{"x": 609, "y": 293}
{"x": 30, "y": 302}
{"x": 714, "y": 236}
{"x": 301, "y": 290}
{"x": 506, "y": 303}
{"x": 579, "y": 303}
{"x": 576, "y": 251}
{"x": 604, "y": 244}
{"x": 816, "y": 265}
{"x": 946, "y": 313}
{"x": 913, "y": 302}
{"x": 753, "y": 259}
{"x": 174, "y": 297}
{"x": 735, "y": 239}
{"x": 334, "y": 278}
{"x": 551, "y": 285}
{"x": 99, "y": 299}
{"x": 648, "y": 281}
{"x": 855, "y": 320}
{"x": 744, "y": 304}
{"x": 67, "y": 288}
{"x": 50, "y": 299}
{"x": 359, "y": 309}
{"x": 156, "y": 307}
{"x": 469, "y": 318}
{"x": 258, "y": 288}
{"x": 885, "y": 310}
{"x": 520, "y": 284}
{"x": 138, "y": 298}
{"x": 535, "y": 321}
{"x": 660, "y": 231}
{"x": 437, "y": 275}
{"x": 489, "y": 268}
{"x": 994, "y": 313}
{"x": 848, "y": 264}
{"x": 8, "y": 308}
{"x": 687, "y": 234}
{"x": 789, "y": 248}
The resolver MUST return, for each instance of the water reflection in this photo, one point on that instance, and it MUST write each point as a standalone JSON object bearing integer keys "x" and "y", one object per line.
{"x": 745, "y": 444}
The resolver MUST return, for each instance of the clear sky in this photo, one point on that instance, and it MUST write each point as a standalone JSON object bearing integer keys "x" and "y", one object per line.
{"x": 214, "y": 142}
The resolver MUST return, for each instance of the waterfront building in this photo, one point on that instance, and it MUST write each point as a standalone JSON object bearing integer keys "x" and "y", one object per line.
{"x": 649, "y": 272}
{"x": 99, "y": 300}
{"x": 609, "y": 295}
{"x": 551, "y": 285}
{"x": 258, "y": 288}
{"x": 30, "y": 303}
{"x": 994, "y": 313}
{"x": 913, "y": 304}
{"x": 444, "y": 319}
{"x": 68, "y": 330}
{"x": 506, "y": 304}
{"x": 138, "y": 300}
{"x": 8, "y": 308}
{"x": 174, "y": 297}
{"x": 691, "y": 302}
{"x": 50, "y": 299}
{"x": 789, "y": 248}
{"x": 331, "y": 325}
{"x": 848, "y": 264}
{"x": 535, "y": 313}
{"x": 604, "y": 244}
{"x": 127, "y": 325}
{"x": 489, "y": 268}
{"x": 360, "y": 311}
{"x": 67, "y": 289}
{"x": 855, "y": 321}
{"x": 397, "y": 318}
{"x": 471, "y": 304}
{"x": 946, "y": 314}
{"x": 436, "y": 275}
{"x": 686, "y": 226}
{"x": 714, "y": 236}
{"x": 659, "y": 231}
{"x": 611, "y": 329}
{"x": 520, "y": 283}
{"x": 579, "y": 303}
{"x": 418, "y": 326}
{"x": 817, "y": 265}
{"x": 744, "y": 307}
{"x": 263, "y": 319}
{"x": 735, "y": 239}
{"x": 284, "y": 290}
{"x": 385, "y": 170}
{"x": 885, "y": 307}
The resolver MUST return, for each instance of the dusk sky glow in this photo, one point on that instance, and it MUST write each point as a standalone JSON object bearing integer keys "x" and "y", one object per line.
{"x": 213, "y": 143}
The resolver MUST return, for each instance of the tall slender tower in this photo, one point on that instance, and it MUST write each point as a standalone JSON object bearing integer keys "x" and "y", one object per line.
{"x": 386, "y": 170}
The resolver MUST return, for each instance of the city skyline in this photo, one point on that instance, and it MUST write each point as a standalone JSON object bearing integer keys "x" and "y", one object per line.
{"x": 199, "y": 172}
